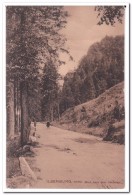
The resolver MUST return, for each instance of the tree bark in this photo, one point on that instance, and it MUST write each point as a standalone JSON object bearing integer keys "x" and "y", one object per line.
{"x": 16, "y": 105}
{"x": 24, "y": 113}
{"x": 10, "y": 110}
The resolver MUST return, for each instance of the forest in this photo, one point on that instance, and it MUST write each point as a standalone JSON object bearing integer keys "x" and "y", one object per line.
{"x": 33, "y": 43}
{"x": 101, "y": 68}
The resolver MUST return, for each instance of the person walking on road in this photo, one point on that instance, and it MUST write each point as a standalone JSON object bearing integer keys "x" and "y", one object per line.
{"x": 48, "y": 124}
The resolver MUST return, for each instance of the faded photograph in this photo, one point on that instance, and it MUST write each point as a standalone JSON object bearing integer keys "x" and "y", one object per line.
{"x": 65, "y": 97}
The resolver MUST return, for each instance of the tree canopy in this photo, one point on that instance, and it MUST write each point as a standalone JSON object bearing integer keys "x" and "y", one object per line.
{"x": 33, "y": 38}
{"x": 110, "y": 14}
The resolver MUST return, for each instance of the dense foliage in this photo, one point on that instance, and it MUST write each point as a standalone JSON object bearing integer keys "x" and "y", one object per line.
{"x": 33, "y": 39}
{"x": 49, "y": 91}
{"x": 110, "y": 14}
{"x": 101, "y": 68}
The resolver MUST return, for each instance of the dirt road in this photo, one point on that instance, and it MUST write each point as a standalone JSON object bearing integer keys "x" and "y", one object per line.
{"x": 73, "y": 160}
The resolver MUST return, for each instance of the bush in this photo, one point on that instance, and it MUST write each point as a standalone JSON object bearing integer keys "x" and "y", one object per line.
{"x": 119, "y": 139}
{"x": 115, "y": 135}
{"x": 110, "y": 131}
{"x": 12, "y": 162}
{"x": 12, "y": 167}
{"x": 12, "y": 146}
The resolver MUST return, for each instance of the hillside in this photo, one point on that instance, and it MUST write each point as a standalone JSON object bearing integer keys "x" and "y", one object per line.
{"x": 100, "y": 69}
{"x": 96, "y": 117}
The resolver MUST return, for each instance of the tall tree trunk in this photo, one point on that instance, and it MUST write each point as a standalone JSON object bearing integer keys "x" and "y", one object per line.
{"x": 10, "y": 110}
{"x": 19, "y": 107}
{"x": 16, "y": 105}
{"x": 58, "y": 106}
{"x": 24, "y": 113}
{"x": 19, "y": 118}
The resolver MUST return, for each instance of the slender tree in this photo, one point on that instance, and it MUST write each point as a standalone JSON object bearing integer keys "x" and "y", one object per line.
{"x": 10, "y": 110}
{"x": 49, "y": 90}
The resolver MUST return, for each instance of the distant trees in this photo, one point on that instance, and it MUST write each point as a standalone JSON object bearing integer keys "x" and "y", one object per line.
{"x": 110, "y": 14}
{"x": 49, "y": 86}
{"x": 100, "y": 69}
{"x": 34, "y": 100}
{"x": 67, "y": 98}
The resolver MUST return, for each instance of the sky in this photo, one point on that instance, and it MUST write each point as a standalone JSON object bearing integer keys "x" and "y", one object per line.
{"x": 81, "y": 32}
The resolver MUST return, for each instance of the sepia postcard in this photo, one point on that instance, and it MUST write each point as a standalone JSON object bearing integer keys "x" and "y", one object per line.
{"x": 67, "y": 97}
